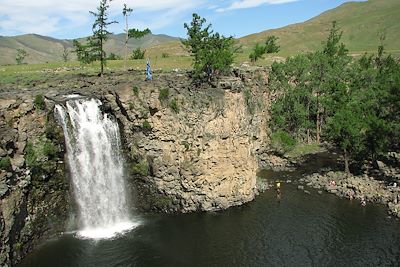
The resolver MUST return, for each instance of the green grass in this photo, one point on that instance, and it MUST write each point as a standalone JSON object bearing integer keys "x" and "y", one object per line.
{"x": 303, "y": 149}
{"x": 29, "y": 73}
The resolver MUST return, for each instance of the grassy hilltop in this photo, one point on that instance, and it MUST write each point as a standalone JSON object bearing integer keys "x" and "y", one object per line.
{"x": 362, "y": 24}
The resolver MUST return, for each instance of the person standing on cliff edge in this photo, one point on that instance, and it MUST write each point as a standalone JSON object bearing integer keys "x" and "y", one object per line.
{"x": 149, "y": 74}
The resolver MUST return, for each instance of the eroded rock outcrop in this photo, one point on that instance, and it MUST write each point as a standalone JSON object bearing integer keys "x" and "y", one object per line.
{"x": 193, "y": 148}
{"x": 187, "y": 148}
{"x": 33, "y": 187}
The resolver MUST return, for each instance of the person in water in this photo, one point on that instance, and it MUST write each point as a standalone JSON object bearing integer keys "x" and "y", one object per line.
{"x": 278, "y": 191}
{"x": 149, "y": 73}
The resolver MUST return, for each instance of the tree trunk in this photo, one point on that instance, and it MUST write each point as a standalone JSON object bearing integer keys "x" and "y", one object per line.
{"x": 101, "y": 58}
{"x": 346, "y": 161}
{"x": 318, "y": 121}
{"x": 126, "y": 41}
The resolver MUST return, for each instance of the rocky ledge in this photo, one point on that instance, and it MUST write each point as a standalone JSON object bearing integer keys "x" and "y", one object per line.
{"x": 362, "y": 188}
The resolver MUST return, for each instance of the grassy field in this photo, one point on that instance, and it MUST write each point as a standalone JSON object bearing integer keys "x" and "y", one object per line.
{"x": 28, "y": 73}
{"x": 362, "y": 24}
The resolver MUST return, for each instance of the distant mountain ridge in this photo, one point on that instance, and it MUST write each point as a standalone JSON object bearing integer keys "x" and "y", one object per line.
{"x": 42, "y": 49}
{"x": 362, "y": 24}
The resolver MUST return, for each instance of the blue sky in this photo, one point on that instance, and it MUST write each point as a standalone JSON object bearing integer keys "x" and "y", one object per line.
{"x": 70, "y": 19}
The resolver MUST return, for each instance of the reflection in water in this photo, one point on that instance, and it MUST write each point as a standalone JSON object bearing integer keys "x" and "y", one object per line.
{"x": 299, "y": 230}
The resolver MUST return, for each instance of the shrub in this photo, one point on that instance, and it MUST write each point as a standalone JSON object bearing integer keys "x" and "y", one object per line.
{"x": 5, "y": 163}
{"x": 50, "y": 150}
{"x": 164, "y": 94}
{"x": 38, "y": 102}
{"x": 283, "y": 141}
{"x": 174, "y": 105}
{"x": 30, "y": 155}
{"x": 165, "y": 55}
{"x": 135, "y": 90}
{"x": 113, "y": 56}
{"x": 213, "y": 53}
{"x": 141, "y": 168}
{"x": 138, "y": 53}
{"x": 146, "y": 126}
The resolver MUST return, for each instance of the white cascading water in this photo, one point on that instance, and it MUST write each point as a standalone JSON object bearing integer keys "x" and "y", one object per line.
{"x": 96, "y": 166}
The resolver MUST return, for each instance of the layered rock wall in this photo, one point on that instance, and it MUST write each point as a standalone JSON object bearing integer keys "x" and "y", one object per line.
{"x": 34, "y": 199}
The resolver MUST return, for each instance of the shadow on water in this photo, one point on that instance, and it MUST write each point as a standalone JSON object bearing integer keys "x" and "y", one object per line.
{"x": 299, "y": 230}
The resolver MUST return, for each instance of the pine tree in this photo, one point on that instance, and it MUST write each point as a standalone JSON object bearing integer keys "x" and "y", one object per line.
{"x": 213, "y": 53}
{"x": 100, "y": 33}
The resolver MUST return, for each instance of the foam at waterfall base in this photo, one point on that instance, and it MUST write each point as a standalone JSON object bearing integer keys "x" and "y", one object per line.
{"x": 107, "y": 232}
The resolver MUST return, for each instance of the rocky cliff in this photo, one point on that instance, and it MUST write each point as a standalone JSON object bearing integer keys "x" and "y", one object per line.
{"x": 192, "y": 148}
{"x": 33, "y": 202}
{"x": 187, "y": 148}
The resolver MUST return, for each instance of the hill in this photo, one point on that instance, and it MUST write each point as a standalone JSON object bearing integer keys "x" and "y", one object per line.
{"x": 362, "y": 24}
{"x": 42, "y": 49}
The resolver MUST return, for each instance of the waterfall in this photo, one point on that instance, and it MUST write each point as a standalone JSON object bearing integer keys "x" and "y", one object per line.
{"x": 96, "y": 166}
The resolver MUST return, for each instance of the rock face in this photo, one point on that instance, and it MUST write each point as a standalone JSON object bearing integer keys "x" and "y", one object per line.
{"x": 187, "y": 148}
{"x": 34, "y": 202}
{"x": 192, "y": 148}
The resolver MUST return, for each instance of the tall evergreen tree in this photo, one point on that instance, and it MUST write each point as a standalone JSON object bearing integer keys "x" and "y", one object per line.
{"x": 100, "y": 33}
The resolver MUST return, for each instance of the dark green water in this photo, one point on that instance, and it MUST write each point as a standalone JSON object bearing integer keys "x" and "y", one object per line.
{"x": 300, "y": 230}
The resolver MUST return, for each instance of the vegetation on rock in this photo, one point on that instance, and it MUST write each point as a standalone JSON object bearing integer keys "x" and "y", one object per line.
{"x": 213, "y": 53}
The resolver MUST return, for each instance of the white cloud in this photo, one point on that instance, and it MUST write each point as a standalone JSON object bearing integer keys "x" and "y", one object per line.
{"x": 242, "y": 4}
{"x": 48, "y": 17}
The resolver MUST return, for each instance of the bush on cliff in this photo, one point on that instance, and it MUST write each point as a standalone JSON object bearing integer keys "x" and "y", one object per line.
{"x": 5, "y": 163}
{"x": 213, "y": 53}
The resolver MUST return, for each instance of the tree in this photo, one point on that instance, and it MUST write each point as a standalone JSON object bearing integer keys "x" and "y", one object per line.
{"x": 65, "y": 54}
{"x": 138, "y": 53}
{"x": 83, "y": 52}
{"x": 131, "y": 33}
{"x": 100, "y": 33}
{"x": 213, "y": 53}
{"x": 270, "y": 46}
{"x": 21, "y": 54}
{"x": 257, "y": 52}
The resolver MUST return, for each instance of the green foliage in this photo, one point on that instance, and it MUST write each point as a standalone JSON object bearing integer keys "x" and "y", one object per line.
{"x": 164, "y": 95}
{"x": 135, "y": 90}
{"x": 83, "y": 52}
{"x": 5, "y": 163}
{"x": 146, "y": 127}
{"x": 100, "y": 34}
{"x": 138, "y": 53}
{"x": 355, "y": 104}
{"x": 50, "y": 150}
{"x": 259, "y": 50}
{"x": 21, "y": 54}
{"x": 38, "y": 102}
{"x": 135, "y": 33}
{"x": 113, "y": 56}
{"x": 165, "y": 55}
{"x": 213, "y": 53}
{"x": 30, "y": 155}
{"x": 140, "y": 168}
{"x": 174, "y": 105}
{"x": 271, "y": 45}
{"x": 282, "y": 141}
{"x": 65, "y": 54}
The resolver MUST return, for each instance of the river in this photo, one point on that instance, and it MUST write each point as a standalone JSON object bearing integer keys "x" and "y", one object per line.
{"x": 298, "y": 230}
